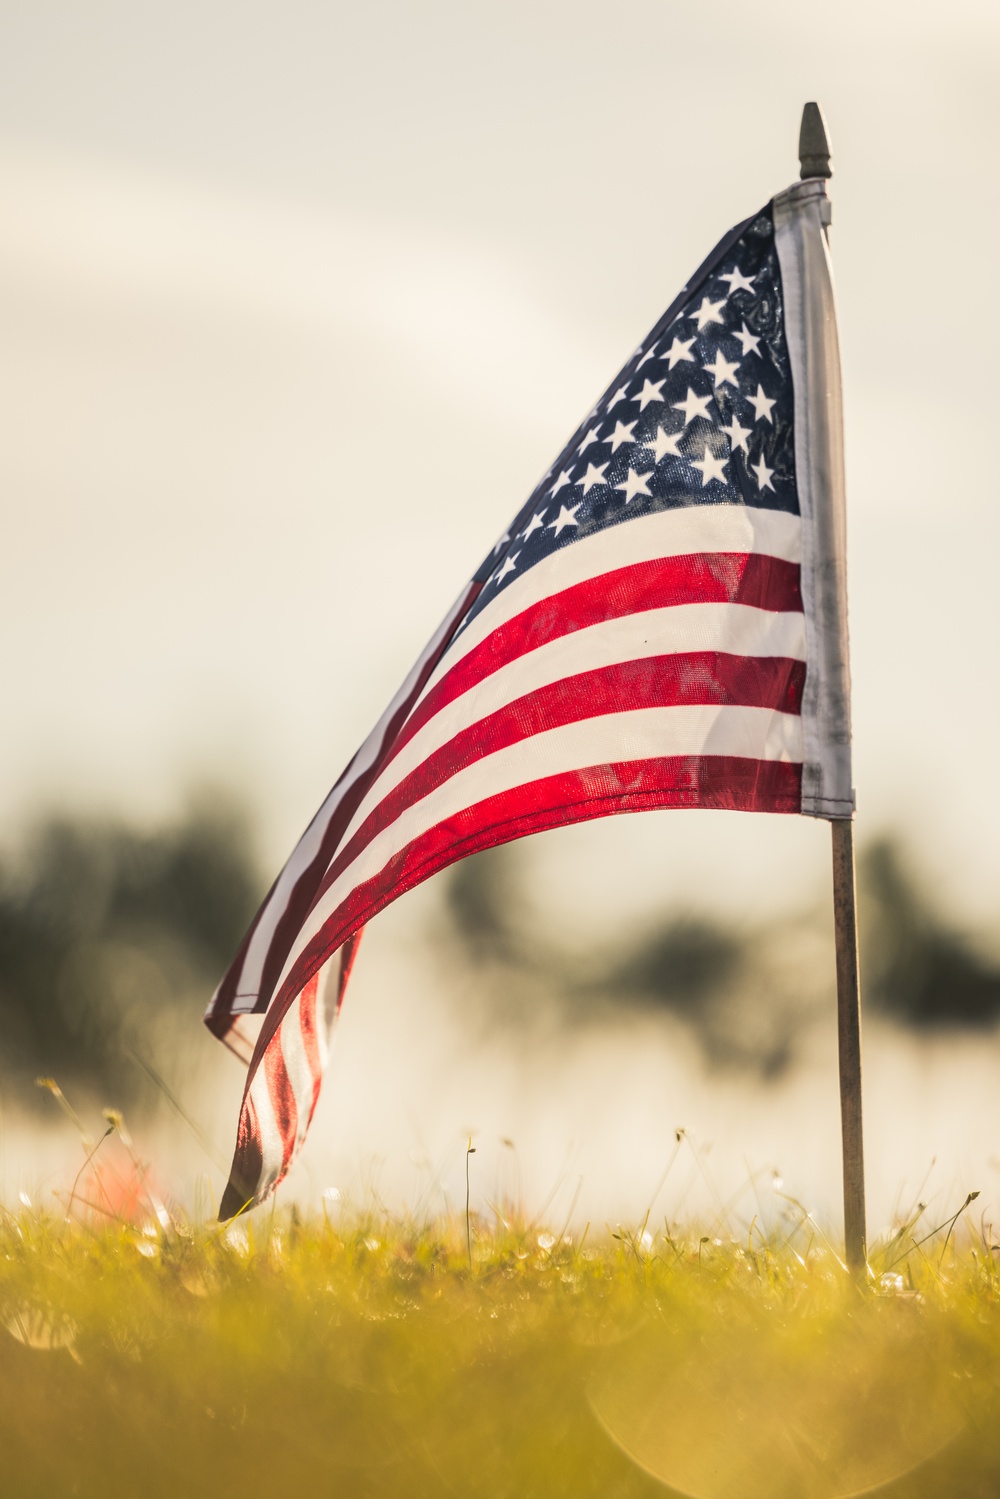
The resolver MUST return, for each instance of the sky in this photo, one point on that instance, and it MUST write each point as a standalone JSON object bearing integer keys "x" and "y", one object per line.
{"x": 298, "y": 301}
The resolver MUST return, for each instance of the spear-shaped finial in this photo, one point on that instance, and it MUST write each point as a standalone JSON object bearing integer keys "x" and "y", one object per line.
{"x": 814, "y": 147}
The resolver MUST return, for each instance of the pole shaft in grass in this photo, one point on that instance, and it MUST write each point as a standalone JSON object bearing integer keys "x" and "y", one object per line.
{"x": 849, "y": 1042}
{"x": 470, "y": 1150}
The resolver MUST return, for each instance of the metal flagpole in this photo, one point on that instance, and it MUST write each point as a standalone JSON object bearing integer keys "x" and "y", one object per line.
{"x": 849, "y": 1042}
{"x": 814, "y": 161}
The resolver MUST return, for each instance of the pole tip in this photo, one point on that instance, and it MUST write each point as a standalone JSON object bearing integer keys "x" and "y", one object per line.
{"x": 814, "y": 146}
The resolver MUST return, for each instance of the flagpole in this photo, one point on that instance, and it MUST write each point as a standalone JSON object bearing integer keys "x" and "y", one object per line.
{"x": 814, "y": 161}
{"x": 849, "y": 1042}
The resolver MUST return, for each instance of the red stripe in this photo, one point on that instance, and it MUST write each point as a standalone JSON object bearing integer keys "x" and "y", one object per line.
{"x": 248, "y": 1163}
{"x": 692, "y": 677}
{"x": 750, "y": 578}
{"x": 308, "y": 1023}
{"x": 282, "y": 1096}
{"x": 717, "y": 781}
{"x": 348, "y": 953}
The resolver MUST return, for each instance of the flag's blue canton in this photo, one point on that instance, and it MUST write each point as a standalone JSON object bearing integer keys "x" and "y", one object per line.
{"x": 700, "y": 415}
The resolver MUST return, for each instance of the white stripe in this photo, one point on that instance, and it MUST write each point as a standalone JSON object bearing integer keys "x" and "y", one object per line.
{"x": 252, "y": 971}
{"x": 329, "y": 979}
{"x": 241, "y": 1037}
{"x": 271, "y": 1144}
{"x": 736, "y": 628}
{"x": 293, "y": 1050}
{"x": 754, "y": 733}
{"x": 682, "y": 532}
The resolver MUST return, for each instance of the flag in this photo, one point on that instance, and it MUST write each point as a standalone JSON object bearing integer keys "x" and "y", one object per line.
{"x": 662, "y": 625}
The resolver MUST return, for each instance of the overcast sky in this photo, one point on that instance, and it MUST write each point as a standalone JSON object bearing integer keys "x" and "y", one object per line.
{"x": 297, "y": 301}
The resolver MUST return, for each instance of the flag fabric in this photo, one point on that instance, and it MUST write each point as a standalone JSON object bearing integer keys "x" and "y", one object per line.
{"x": 662, "y": 625}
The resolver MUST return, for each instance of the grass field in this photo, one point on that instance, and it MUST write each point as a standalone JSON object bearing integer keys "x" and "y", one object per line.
{"x": 362, "y": 1355}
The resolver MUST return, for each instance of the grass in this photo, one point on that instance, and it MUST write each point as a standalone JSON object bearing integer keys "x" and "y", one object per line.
{"x": 371, "y": 1356}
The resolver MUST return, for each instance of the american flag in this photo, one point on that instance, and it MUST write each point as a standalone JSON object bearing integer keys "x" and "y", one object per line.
{"x": 662, "y": 625}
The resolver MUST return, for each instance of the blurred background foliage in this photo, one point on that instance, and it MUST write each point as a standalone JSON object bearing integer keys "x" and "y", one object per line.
{"x": 919, "y": 966}
{"x": 749, "y": 992}
{"x": 113, "y": 936}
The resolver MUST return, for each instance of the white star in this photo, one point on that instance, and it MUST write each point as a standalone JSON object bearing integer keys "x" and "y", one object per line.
{"x": 737, "y": 435}
{"x": 664, "y": 443}
{"x": 563, "y": 479}
{"x": 621, "y": 394}
{"x": 650, "y": 392}
{"x": 622, "y": 433}
{"x": 594, "y": 475}
{"x": 763, "y": 474}
{"x": 762, "y": 406}
{"x": 649, "y": 354}
{"x": 708, "y": 312}
{"x": 563, "y": 519}
{"x": 594, "y": 435}
{"x": 534, "y": 524}
{"x": 749, "y": 343}
{"x": 722, "y": 371}
{"x": 501, "y": 543}
{"x": 509, "y": 564}
{"x": 711, "y": 467}
{"x": 634, "y": 484}
{"x": 680, "y": 349}
{"x": 737, "y": 281}
{"x": 693, "y": 406}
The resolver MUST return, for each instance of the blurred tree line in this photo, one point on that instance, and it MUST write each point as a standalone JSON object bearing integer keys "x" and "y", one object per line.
{"x": 112, "y": 938}
{"x": 748, "y": 993}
